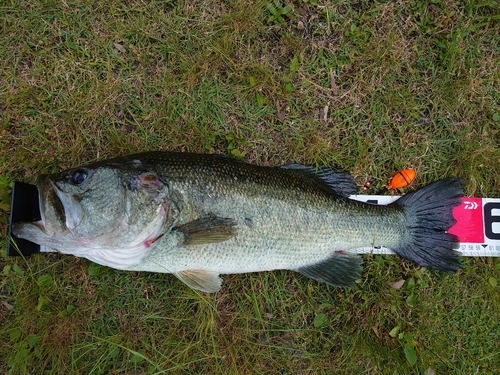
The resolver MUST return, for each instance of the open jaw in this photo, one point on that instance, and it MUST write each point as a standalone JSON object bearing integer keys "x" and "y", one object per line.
{"x": 60, "y": 211}
{"x": 53, "y": 225}
{"x": 53, "y": 217}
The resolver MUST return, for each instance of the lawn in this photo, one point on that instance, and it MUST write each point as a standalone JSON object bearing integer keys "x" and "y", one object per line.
{"x": 369, "y": 86}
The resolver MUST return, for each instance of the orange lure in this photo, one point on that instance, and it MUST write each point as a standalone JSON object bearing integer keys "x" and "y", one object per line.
{"x": 402, "y": 179}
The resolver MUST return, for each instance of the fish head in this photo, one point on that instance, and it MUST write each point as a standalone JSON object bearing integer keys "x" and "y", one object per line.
{"x": 111, "y": 213}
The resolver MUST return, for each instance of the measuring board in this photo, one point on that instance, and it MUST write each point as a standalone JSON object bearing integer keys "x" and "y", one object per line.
{"x": 477, "y": 227}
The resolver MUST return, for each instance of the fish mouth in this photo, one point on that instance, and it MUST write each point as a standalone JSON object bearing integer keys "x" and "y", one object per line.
{"x": 60, "y": 212}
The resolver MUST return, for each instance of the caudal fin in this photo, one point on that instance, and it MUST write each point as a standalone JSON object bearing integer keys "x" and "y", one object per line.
{"x": 429, "y": 216}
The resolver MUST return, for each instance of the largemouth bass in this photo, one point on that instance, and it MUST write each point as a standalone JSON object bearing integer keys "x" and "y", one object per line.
{"x": 198, "y": 216}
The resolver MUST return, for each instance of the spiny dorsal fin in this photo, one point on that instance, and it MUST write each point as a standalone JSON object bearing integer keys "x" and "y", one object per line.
{"x": 341, "y": 269}
{"x": 336, "y": 181}
{"x": 206, "y": 281}
{"x": 207, "y": 230}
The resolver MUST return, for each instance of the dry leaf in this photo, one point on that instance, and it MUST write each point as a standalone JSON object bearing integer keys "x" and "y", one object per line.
{"x": 397, "y": 284}
{"x": 119, "y": 47}
{"x": 281, "y": 112}
{"x": 324, "y": 113}
{"x": 8, "y": 306}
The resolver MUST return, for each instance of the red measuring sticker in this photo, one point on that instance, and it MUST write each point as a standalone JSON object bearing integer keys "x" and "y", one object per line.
{"x": 469, "y": 216}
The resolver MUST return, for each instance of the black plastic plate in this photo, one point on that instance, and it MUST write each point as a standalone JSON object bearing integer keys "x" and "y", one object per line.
{"x": 24, "y": 208}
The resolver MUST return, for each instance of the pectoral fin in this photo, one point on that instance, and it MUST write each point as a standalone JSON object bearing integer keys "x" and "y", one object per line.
{"x": 207, "y": 230}
{"x": 206, "y": 281}
{"x": 341, "y": 269}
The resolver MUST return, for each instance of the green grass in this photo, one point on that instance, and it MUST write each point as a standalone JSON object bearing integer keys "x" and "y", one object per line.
{"x": 415, "y": 84}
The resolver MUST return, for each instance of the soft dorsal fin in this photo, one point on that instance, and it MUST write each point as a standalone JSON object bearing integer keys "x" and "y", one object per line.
{"x": 207, "y": 230}
{"x": 206, "y": 281}
{"x": 336, "y": 181}
{"x": 341, "y": 269}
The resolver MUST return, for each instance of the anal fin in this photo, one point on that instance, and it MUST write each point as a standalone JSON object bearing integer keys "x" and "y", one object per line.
{"x": 341, "y": 269}
{"x": 206, "y": 281}
{"x": 207, "y": 230}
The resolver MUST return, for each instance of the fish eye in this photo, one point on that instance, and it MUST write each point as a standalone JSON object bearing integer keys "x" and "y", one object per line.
{"x": 78, "y": 177}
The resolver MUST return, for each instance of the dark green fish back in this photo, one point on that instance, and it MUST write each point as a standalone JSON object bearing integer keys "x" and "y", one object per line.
{"x": 224, "y": 170}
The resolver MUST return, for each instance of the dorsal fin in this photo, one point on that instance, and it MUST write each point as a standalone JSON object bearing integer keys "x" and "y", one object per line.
{"x": 336, "y": 181}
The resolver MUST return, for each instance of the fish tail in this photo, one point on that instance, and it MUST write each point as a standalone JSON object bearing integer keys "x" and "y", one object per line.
{"x": 428, "y": 217}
